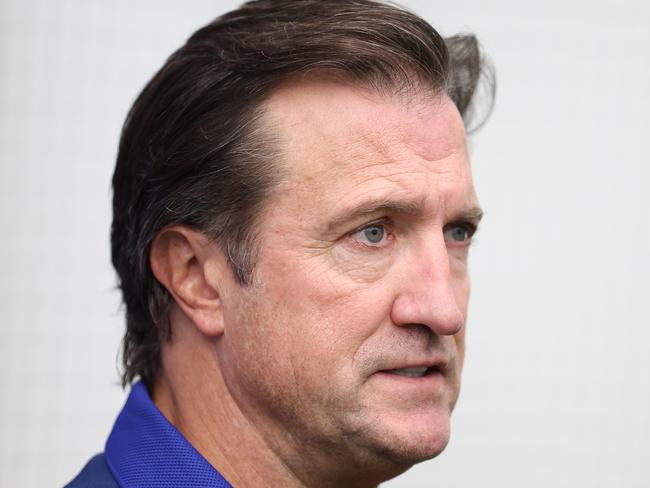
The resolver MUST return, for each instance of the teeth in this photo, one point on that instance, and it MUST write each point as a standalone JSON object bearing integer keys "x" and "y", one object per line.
{"x": 410, "y": 372}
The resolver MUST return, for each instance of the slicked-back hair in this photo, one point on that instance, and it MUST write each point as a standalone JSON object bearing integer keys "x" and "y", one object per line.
{"x": 193, "y": 149}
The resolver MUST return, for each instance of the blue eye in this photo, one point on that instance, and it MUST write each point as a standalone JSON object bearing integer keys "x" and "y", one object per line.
{"x": 458, "y": 233}
{"x": 374, "y": 234}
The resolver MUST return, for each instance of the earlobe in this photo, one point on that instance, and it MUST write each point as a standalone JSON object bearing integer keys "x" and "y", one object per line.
{"x": 179, "y": 259}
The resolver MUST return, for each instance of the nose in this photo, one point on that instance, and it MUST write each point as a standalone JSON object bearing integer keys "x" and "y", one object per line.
{"x": 430, "y": 294}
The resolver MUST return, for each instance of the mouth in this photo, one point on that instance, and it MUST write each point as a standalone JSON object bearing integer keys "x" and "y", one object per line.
{"x": 415, "y": 372}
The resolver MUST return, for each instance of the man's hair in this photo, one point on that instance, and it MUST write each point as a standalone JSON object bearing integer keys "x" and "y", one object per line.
{"x": 193, "y": 150}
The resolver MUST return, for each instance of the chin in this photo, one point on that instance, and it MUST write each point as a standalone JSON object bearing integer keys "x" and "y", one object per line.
{"x": 411, "y": 439}
{"x": 420, "y": 446}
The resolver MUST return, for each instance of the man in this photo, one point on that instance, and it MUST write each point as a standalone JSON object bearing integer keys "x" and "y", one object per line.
{"x": 293, "y": 208}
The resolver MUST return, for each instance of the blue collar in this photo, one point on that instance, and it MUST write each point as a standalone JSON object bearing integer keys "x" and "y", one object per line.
{"x": 145, "y": 450}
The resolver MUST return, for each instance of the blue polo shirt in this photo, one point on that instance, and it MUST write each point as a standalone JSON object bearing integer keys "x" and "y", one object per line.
{"x": 145, "y": 451}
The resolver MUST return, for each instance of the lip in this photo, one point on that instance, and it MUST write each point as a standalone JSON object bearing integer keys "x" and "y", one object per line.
{"x": 435, "y": 366}
{"x": 438, "y": 384}
{"x": 436, "y": 376}
{"x": 408, "y": 388}
{"x": 431, "y": 373}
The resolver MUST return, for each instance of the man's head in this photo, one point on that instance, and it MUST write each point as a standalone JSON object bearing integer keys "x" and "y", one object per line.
{"x": 294, "y": 184}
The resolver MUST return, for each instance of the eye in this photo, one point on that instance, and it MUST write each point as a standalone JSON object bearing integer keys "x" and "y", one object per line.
{"x": 459, "y": 233}
{"x": 373, "y": 235}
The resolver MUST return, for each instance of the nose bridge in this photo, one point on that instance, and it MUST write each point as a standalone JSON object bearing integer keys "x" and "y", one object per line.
{"x": 427, "y": 296}
{"x": 434, "y": 256}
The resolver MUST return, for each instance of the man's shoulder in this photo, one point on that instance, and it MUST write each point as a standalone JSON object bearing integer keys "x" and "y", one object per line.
{"x": 95, "y": 474}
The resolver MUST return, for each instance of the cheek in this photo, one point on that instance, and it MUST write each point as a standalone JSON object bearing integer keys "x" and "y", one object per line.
{"x": 460, "y": 282}
{"x": 324, "y": 318}
{"x": 267, "y": 355}
{"x": 327, "y": 291}
{"x": 354, "y": 267}
{"x": 459, "y": 339}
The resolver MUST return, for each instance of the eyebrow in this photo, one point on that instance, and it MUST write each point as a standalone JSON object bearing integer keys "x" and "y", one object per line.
{"x": 473, "y": 214}
{"x": 412, "y": 208}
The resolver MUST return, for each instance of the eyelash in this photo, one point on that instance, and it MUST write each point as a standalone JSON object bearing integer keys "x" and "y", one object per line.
{"x": 469, "y": 227}
{"x": 385, "y": 223}
{"x": 388, "y": 225}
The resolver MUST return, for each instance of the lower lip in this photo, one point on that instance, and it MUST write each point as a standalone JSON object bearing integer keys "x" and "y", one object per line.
{"x": 425, "y": 394}
{"x": 434, "y": 378}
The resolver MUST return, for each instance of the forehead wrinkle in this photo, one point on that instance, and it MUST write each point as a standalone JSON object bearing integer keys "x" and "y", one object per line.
{"x": 400, "y": 174}
{"x": 390, "y": 164}
{"x": 400, "y": 194}
{"x": 396, "y": 179}
{"x": 399, "y": 152}
{"x": 381, "y": 158}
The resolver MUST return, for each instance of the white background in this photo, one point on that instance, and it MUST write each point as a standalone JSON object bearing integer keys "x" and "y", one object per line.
{"x": 556, "y": 389}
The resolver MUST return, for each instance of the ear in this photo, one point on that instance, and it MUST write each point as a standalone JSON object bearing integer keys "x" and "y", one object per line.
{"x": 181, "y": 259}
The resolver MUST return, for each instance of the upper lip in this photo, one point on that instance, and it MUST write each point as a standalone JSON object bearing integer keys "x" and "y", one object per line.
{"x": 439, "y": 363}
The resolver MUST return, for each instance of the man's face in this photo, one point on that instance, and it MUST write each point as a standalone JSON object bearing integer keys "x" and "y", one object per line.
{"x": 349, "y": 342}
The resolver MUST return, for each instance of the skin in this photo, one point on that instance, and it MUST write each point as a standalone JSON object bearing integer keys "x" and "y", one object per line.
{"x": 362, "y": 269}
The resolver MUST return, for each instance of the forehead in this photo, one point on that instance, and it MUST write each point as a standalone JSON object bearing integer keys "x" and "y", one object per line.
{"x": 348, "y": 143}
